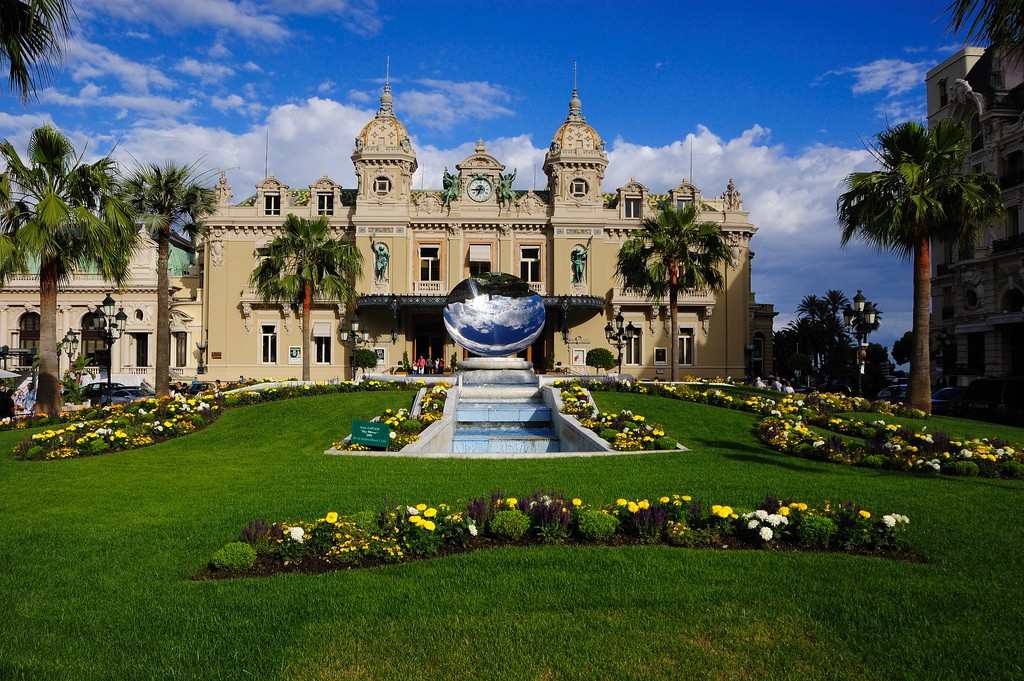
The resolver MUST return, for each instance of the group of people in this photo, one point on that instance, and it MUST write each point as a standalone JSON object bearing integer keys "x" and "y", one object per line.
{"x": 428, "y": 365}
{"x": 17, "y": 402}
{"x": 775, "y": 383}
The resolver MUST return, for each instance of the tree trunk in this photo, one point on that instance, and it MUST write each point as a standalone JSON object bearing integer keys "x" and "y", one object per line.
{"x": 162, "y": 367}
{"x": 919, "y": 393}
{"x": 307, "y": 304}
{"x": 48, "y": 398}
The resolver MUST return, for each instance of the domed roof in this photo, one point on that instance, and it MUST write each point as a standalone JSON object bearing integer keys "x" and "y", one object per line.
{"x": 575, "y": 135}
{"x": 384, "y": 132}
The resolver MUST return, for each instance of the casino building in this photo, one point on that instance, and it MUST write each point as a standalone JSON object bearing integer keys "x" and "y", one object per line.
{"x": 419, "y": 244}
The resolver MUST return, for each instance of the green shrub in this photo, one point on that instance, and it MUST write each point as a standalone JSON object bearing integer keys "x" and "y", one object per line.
{"x": 874, "y": 461}
{"x": 34, "y": 453}
{"x": 595, "y": 525}
{"x": 609, "y": 434}
{"x": 665, "y": 442}
{"x": 1012, "y": 469}
{"x": 816, "y": 530}
{"x": 410, "y": 426}
{"x": 236, "y": 556}
{"x": 510, "y": 524}
{"x": 964, "y": 469}
{"x": 98, "y": 446}
{"x": 678, "y": 534}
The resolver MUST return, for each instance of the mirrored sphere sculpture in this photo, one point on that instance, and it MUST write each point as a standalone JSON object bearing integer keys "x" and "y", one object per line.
{"x": 494, "y": 314}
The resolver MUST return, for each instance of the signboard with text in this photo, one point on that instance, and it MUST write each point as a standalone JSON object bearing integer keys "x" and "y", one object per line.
{"x": 371, "y": 433}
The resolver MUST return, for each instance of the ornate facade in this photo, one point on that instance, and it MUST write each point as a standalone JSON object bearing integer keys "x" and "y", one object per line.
{"x": 978, "y": 296}
{"x": 417, "y": 245}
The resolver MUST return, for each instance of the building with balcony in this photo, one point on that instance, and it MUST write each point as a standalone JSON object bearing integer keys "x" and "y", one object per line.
{"x": 419, "y": 244}
{"x": 978, "y": 295}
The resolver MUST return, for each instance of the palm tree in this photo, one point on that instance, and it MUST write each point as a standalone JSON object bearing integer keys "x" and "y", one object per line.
{"x": 1000, "y": 22}
{"x": 669, "y": 251}
{"x": 304, "y": 264}
{"x": 166, "y": 197}
{"x": 919, "y": 195}
{"x": 32, "y": 32}
{"x": 67, "y": 216}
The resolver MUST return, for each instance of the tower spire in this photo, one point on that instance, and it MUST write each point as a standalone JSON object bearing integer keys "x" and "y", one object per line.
{"x": 386, "y": 100}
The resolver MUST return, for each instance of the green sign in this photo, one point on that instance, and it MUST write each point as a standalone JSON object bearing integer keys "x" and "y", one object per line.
{"x": 371, "y": 433}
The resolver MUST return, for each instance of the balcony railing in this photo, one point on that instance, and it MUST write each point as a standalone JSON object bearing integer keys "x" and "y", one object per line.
{"x": 537, "y": 287}
{"x": 1010, "y": 243}
{"x": 429, "y": 287}
{"x": 688, "y": 297}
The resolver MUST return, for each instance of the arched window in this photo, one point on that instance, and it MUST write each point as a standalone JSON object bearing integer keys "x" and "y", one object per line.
{"x": 92, "y": 346}
{"x": 28, "y": 335}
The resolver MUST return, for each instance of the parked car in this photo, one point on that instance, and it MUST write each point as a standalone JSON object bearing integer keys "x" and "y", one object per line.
{"x": 94, "y": 391}
{"x": 126, "y": 395}
{"x": 892, "y": 393}
{"x": 994, "y": 399}
{"x": 947, "y": 401}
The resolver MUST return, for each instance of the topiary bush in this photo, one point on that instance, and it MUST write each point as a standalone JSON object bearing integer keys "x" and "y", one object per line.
{"x": 816, "y": 530}
{"x": 510, "y": 524}
{"x": 596, "y": 525}
{"x": 601, "y": 358}
{"x": 235, "y": 556}
{"x": 1013, "y": 469}
{"x": 966, "y": 469}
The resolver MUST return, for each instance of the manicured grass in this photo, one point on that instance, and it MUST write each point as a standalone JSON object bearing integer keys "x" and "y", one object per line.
{"x": 99, "y": 552}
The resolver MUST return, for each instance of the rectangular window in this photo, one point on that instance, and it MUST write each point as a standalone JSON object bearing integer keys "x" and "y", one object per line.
{"x": 685, "y": 357}
{"x": 1013, "y": 215}
{"x": 272, "y": 204}
{"x": 976, "y": 353}
{"x": 322, "y": 342}
{"x": 943, "y": 95}
{"x": 141, "y": 342}
{"x": 430, "y": 263}
{"x": 682, "y": 203}
{"x": 268, "y": 343}
{"x": 529, "y": 263}
{"x": 180, "y": 349}
{"x": 479, "y": 259}
{"x": 325, "y": 204}
{"x": 633, "y": 208}
{"x": 631, "y": 351}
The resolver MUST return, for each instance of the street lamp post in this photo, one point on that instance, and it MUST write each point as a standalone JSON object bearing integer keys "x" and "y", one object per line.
{"x": 5, "y": 352}
{"x": 70, "y": 345}
{"x": 202, "y": 347}
{"x": 352, "y": 334}
{"x": 861, "y": 318}
{"x": 563, "y": 305}
{"x": 110, "y": 326}
{"x": 619, "y": 336}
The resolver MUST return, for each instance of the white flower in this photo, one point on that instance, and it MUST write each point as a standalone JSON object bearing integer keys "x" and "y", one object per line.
{"x": 472, "y": 529}
{"x": 412, "y": 510}
{"x": 297, "y": 533}
{"x": 392, "y": 435}
{"x": 819, "y": 443}
{"x": 766, "y": 533}
{"x": 752, "y": 525}
{"x": 761, "y": 514}
{"x": 775, "y": 520}
{"x": 966, "y": 453}
{"x": 889, "y": 521}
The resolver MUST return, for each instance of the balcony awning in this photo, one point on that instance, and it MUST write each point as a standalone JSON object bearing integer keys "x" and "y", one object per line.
{"x": 480, "y": 253}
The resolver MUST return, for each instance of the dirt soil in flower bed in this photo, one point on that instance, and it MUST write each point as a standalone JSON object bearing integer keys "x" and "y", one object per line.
{"x": 268, "y": 564}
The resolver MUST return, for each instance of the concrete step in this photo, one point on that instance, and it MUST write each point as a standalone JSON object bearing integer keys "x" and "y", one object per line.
{"x": 502, "y": 413}
{"x": 503, "y": 393}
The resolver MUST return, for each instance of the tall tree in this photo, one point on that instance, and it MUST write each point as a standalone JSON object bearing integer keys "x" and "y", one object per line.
{"x": 166, "y": 197}
{"x": 1000, "y": 22}
{"x": 32, "y": 34}
{"x": 920, "y": 194}
{"x": 304, "y": 264}
{"x": 67, "y": 216}
{"x": 670, "y": 251}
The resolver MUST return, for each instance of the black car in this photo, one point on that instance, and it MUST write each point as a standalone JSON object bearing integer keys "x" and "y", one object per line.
{"x": 947, "y": 401}
{"x": 94, "y": 392}
{"x": 994, "y": 399}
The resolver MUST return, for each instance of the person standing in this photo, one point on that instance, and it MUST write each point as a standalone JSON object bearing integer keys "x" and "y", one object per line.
{"x": 6, "y": 403}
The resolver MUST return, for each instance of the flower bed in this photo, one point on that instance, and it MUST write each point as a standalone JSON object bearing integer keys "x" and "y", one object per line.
{"x": 423, "y": 530}
{"x": 406, "y": 428}
{"x": 625, "y": 431}
{"x": 787, "y": 428}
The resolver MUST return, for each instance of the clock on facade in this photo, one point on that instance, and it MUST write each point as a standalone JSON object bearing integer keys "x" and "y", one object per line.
{"x": 479, "y": 188}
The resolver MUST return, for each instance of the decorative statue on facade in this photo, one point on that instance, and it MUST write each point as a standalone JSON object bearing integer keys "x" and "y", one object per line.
{"x": 381, "y": 259}
{"x": 451, "y": 186}
{"x": 506, "y": 195}
{"x": 578, "y": 259}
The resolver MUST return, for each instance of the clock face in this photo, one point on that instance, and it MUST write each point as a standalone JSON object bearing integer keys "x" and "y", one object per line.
{"x": 479, "y": 189}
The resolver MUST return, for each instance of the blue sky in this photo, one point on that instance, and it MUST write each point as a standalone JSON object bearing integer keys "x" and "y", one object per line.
{"x": 782, "y": 97}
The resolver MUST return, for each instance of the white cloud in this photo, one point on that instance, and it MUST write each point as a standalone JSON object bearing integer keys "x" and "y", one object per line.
{"x": 246, "y": 19}
{"x": 92, "y": 95}
{"x": 89, "y": 61}
{"x": 204, "y": 71}
{"x": 445, "y": 103}
{"x": 892, "y": 76}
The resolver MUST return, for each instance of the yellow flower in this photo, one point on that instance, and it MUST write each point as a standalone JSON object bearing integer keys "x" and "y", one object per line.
{"x": 421, "y": 507}
{"x": 620, "y": 502}
{"x": 644, "y": 504}
{"x": 430, "y": 513}
{"x": 864, "y": 514}
{"x": 428, "y": 525}
{"x": 511, "y": 501}
{"x": 686, "y": 498}
{"x": 663, "y": 500}
{"x": 415, "y": 519}
{"x": 332, "y": 517}
{"x": 784, "y": 510}
{"x": 632, "y": 507}
{"x": 577, "y": 502}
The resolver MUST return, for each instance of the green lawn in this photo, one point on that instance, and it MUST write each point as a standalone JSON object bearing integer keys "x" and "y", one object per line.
{"x": 98, "y": 555}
